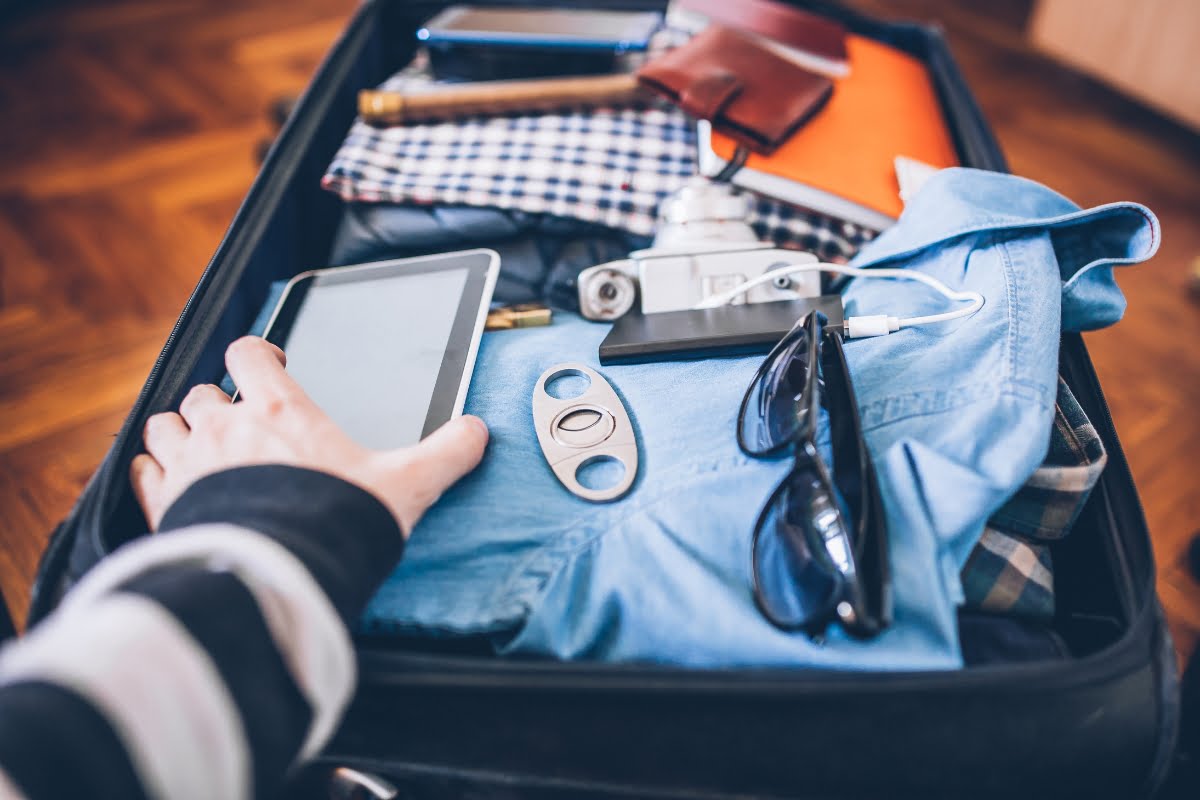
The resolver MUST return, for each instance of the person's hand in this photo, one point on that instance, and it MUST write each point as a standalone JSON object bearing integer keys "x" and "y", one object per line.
{"x": 277, "y": 423}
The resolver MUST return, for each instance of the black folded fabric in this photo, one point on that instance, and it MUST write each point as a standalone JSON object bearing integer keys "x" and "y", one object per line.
{"x": 540, "y": 255}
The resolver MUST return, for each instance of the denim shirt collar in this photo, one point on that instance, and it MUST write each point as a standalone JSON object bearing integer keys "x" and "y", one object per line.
{"x": 1088, "y": 243}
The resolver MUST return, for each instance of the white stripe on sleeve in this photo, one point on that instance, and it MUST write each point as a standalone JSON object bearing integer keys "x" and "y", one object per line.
{"x": 304, "y": 624}
{"x": 8, "y": 791}
{"x": 162, "y": 694}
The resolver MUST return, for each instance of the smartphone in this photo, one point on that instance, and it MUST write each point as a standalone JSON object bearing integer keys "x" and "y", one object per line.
{"x": 387, "y": 349}
{"x": 542, "y": 27}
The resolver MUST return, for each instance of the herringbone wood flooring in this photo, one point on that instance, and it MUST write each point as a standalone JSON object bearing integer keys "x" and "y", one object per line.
{"x": 127, "y": 142}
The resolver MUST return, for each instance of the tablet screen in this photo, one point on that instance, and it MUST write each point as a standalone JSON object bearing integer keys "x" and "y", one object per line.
{"x": 386, "y": 349}
{"x": 542, "y": 25}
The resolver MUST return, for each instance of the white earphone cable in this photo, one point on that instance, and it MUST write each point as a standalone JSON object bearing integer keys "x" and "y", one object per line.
{"x": 875, "y": 325}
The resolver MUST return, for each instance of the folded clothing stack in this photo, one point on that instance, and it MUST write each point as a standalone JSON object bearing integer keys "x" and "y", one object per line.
{"x": 955, "y": 414}
{"x": 606, "y": 166}
{"x": 958, "y": 416}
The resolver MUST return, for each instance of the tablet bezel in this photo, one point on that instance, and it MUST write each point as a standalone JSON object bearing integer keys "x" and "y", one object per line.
{"x": 454, "y": 377}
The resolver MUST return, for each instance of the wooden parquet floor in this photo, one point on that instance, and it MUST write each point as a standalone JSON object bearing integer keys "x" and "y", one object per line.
{"x": 127, "y": 142}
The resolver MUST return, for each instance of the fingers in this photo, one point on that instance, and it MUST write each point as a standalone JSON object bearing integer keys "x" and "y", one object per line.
{"x": 147, "y": 478}
{"x": 165, "y": 435}
{"x": 256, "y": 367}
{"x": 449, "y": 453}
{"x": 415, "y": 477}
{"x": 201, "y": 400}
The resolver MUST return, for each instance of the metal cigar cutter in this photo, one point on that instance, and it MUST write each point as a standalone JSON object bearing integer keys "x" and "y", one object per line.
{"x": 582, "y": 430}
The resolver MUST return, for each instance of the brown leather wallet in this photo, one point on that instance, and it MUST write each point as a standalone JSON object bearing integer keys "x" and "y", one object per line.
{"x": 785, "y": 24}
{"x": 747, "y": 92}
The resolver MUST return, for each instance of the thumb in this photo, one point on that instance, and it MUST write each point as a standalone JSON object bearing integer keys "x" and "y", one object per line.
{"x": 435, "y": 464}
{"x": 451, "y": 451}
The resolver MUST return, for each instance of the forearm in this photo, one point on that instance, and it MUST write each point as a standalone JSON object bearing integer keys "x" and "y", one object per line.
{"x": 206, "y": 661}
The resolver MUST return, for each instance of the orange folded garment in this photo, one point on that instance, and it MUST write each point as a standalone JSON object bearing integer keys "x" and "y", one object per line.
{"x": 885, "y": 107}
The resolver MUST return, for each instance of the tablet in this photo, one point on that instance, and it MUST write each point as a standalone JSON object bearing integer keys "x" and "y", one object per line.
{"x": 387, "y": 349}
{"x": 542, "y": 27}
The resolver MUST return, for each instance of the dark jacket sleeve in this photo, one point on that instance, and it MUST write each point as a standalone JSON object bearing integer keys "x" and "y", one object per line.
{"x": 208, "y": 659}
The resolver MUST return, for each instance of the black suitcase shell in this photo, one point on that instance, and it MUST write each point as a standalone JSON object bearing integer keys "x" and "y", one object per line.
{"x": 450, "y": 724}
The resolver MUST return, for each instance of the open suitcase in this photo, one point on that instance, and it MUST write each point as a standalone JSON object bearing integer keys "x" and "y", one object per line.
{"x": 459, "y": 723}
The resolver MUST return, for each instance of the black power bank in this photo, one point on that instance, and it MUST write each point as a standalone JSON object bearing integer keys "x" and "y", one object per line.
{"x": 711, "y": 332}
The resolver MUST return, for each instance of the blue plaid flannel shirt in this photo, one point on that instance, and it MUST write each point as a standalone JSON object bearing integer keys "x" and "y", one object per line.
{"x": 1010, "y": 571}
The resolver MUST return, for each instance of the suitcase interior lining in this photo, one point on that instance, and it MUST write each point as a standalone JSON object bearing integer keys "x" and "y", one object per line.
{"x": 300, "y": 221}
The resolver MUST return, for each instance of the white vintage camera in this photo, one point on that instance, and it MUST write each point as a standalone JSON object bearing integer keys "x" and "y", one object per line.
{"x": 704, "y": 247}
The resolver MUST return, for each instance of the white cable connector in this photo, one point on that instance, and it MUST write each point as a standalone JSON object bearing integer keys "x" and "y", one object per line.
{"x": 873, "y": 325}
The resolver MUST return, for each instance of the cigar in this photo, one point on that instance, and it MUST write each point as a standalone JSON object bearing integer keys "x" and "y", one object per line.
{"x": 497, "y": 97}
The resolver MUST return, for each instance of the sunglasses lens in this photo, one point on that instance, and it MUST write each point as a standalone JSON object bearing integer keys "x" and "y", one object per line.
{"x": 770, "y": 411}
{"x": 800, "y": 546}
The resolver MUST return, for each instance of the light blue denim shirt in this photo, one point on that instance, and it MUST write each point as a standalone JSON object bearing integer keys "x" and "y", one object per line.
{"x": 957, "y": 416}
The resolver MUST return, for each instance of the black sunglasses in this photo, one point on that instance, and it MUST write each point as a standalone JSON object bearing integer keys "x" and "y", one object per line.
{"x": 820, "y": 543}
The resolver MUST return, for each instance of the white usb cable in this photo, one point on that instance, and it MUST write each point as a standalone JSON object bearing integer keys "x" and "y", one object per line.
{"x": 873, "y": 325}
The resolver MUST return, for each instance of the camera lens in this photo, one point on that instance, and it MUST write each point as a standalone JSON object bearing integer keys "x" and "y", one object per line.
{"x": 605, "y": 293}
{"x": 782, "y": 282}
